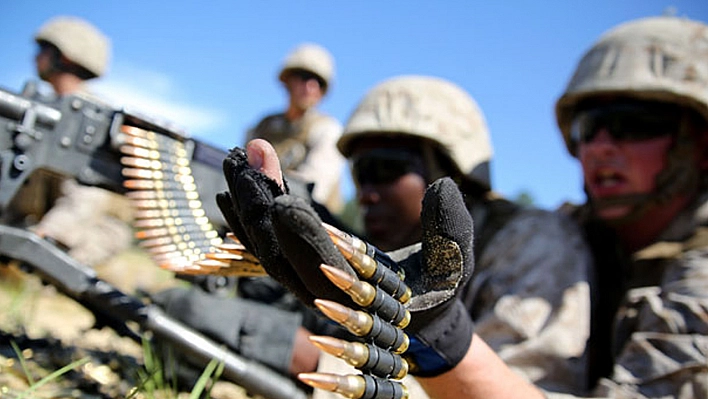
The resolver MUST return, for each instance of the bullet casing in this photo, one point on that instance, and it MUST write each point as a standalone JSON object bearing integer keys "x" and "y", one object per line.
{"x": 372, "y": 298}
{"x": 379, "y": 388}
{"x": 364, "y": 325}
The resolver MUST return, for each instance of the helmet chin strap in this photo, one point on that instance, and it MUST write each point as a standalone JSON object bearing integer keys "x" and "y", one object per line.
{"x": 680, "y": 176}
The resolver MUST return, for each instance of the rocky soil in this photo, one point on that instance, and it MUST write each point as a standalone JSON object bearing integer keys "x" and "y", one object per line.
{"x": 51, "y": 331}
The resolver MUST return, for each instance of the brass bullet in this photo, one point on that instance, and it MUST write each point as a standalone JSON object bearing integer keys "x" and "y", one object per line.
{"x": 139, "y": 152}
{"x": 364, "y": 265}
{"x": 362, "y": 324}
{"x": 356, "y": 386}
{"x": 232, "y": 268}
{"x": 359, "y": 355}
{"x": 350, "y": 386}
{"x": 368, "y": 267}
{"x": 141, "y": 184}
{"x": 366, "y": 295}
{"x": 358, "y": 322}
{"x": 231, "y": 236}
{"x": 152, "y": 194}
{"x": 153, "y": 242}
{"x": 361, "y": 292}
{"x": 164, "y": 248}
{"x": 227, "y": 256}
{"x": 234, "y": 247}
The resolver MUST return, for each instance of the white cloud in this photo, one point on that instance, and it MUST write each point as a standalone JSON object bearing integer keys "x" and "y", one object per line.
{"x": 155, "y": 94}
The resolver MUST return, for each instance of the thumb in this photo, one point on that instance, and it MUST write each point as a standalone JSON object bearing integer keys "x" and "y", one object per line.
{"x": 448, "y": 235}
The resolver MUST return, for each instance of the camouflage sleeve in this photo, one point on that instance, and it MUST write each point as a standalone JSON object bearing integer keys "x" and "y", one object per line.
{"x": 530, "y": 299}
{"x": 665, "y": 330}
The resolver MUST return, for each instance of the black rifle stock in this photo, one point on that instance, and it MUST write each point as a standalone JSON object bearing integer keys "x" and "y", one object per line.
{"x": 79, "y": 137}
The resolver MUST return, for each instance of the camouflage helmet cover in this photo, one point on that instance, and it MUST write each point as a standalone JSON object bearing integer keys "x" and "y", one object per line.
{"x": 79, "y": 41}
{"x": 310, "y": 57}
{"x": 428, "y": 108}
{"x": 657, "y": 58}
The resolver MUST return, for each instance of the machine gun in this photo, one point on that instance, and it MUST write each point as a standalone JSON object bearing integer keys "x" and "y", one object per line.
{"x": 163, "y": 170}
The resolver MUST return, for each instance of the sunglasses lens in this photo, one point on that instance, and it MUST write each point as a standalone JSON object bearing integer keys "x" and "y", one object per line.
{"x": 305, "y": 76}
{"x": 384, "y": 167}
{"x": 626, "y": 121}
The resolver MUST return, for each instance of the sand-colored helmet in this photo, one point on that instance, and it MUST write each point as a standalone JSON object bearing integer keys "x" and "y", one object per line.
{"x": 658, "y": 58}
{"x": 79, "y": 41}
{"x": 428, "y": 108}
{"x": 310, "y": 57}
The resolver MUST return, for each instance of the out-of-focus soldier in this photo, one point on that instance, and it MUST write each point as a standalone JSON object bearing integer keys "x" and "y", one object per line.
{"x": 91, "y": 222}
{"x": 304, "y": 137}
{"x": 635, "y": 114}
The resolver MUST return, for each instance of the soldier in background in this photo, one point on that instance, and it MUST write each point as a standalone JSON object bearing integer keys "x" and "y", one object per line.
{"x": 91, "y": 222}
{"x": 305, "y": 138}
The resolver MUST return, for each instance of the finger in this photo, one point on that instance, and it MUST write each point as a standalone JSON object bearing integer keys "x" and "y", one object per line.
{"x": 446, "y": 220}
{"x": 262, "y": 157}
{"x": 306, "y": 244}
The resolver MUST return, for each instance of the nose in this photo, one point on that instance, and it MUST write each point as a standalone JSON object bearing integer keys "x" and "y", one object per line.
{"x": 367, "y": 194}
{"x": 311, "y": 84}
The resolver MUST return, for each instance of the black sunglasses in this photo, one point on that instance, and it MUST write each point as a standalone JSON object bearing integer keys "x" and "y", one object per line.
{"x": 385, "y": 165}
{"x": 305, "y": 76}
{"x": 626, "y": 121}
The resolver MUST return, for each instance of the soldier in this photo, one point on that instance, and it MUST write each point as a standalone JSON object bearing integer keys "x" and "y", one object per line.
{"x": 305, "y": 138}
{"x": 635, "y": 114}
{"x": 71, "y": 51}
{"x": 529, "y": 294}
{"x": 92, "y": 223}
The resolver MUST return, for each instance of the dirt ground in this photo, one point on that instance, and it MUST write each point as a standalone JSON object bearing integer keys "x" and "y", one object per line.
{"x": 51, "y": 331}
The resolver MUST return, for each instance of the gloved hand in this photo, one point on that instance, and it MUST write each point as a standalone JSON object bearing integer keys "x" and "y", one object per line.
{"x": 440, "y": 328}
{"x": 247, "y": 208}
{"x": 286, "y": 235}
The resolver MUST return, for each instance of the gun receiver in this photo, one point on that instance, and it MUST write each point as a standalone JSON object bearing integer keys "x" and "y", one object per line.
{"x": 79, "y": 137}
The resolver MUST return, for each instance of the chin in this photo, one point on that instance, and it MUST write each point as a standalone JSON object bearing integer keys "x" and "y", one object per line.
{"x": 613, "y": 213}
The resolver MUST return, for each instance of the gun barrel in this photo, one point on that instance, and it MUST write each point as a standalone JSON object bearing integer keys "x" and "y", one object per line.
{"x": 252, "y": 376}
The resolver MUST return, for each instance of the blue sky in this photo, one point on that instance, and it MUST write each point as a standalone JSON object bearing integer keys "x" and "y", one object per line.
{"x": 211, "y": 66}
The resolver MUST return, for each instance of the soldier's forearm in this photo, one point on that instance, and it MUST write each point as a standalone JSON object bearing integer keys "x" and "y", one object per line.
{"x": 481, "y": 374}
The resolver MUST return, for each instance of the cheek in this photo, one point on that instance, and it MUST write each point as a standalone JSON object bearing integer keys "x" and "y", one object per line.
{"x": 408, "y": 192}
{"x": 646, "y": 160}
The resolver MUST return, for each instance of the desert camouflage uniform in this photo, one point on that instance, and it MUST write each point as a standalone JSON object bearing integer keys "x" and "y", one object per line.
{"x": 658, "y": 337}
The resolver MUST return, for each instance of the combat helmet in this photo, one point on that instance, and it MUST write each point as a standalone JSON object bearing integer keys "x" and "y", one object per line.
{"x": 78, "y": 41}
{"x": 433, "y": 110}
{"x": 312, "y": 58}
{"x": 659, "y": 58}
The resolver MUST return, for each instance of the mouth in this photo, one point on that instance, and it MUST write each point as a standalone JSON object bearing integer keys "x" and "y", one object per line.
{"x": 606, "y": 182}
